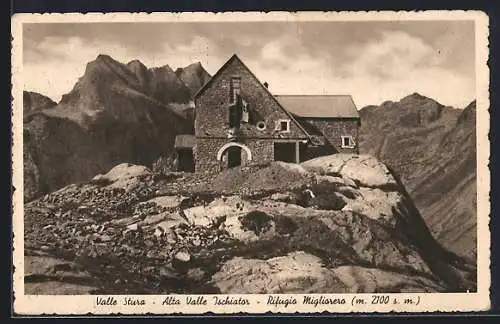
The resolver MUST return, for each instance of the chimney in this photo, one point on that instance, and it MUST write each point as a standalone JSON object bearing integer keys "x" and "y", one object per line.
{"x": 266, "y": 85}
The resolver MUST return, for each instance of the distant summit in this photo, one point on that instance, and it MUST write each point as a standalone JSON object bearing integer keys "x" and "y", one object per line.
{"x": 194, "y": 76}
{"x": 140, "y": 71}
{"x": 415, "y": 96}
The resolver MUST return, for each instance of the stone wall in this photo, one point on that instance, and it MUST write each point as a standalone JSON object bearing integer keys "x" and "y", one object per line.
{"x": 212, "y": 121}
{"x": 206, "y": 149}
{"x": 334, "y": 129}
{"x": 205, "y": 154}
{"x": 212, "y": 112}
{"x": 262, "y": 150}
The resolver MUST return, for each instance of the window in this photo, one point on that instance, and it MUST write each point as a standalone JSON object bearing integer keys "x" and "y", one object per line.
{"x": 234, "y": 116}
{"x": 235, "y": 88}
{"x": 348, "y": 142}
{"x": 283, "y": 125}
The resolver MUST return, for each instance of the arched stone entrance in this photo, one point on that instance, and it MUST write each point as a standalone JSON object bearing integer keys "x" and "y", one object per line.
{"x": 233, "y": 154}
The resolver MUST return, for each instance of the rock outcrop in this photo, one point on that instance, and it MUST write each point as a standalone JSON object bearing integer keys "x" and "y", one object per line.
{"x": 433, "y": 148}
{"x": 345, "y": 224}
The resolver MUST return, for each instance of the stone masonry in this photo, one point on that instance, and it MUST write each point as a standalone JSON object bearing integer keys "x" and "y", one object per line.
{"x": 334, "y": 129}
{"x": 212, "y": 125}
{"x": 212, "y": 120}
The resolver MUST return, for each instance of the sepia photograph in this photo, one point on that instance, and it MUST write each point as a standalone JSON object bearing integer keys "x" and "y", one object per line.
{"x": 209, "y": 160}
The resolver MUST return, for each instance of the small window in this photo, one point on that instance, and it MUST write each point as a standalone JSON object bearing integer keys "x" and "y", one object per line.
{"x": 348, "y": 142}
{"x": 283, "y": 125}
{"x": 235, "y": 88}
{"x": 261, "y": 125}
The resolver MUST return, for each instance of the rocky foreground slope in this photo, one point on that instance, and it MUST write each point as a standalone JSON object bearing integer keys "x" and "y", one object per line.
{"x": 341, "y": 223}
{"x": 433, "y": 148}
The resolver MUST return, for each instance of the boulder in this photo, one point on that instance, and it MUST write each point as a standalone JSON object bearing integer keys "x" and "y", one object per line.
{"x": 282, "y": 196}
{"x": 168, "y": 202}
{"x": 252, "y": 226}
{"x": 348, "y": 192}
{"x": 183, "y": 256}
{"x": 124, "y": 176}
{"x": 220, "y": 207}
{"x": 55, "y": 276}
{"x": 327, "y": 165}
{"x": 375, "y": 204}
{"x": 349, "y": 182}
{"x": 373, "y": 280}
{"x": 164, "y": 220}
{"x": 48, "y": 266}
{"x": 133, "y": 227}
{"x": 231, "y": 212}
{"x": 300, "y": 272}
{"x": 330, "y": 179}
{"x": 290, "y": 210}
{"x": 365, "y": 170}
{"x": 358, "y": 239}
{"x": 296, "y": 272}
{"x": 168, "y": 223}
{"x": 363, "y": 208}
{"x": 196, "y": 274}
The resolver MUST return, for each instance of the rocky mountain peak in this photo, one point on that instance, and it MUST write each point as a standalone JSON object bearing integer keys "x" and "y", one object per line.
{"x": 468, "y": 114}
{"x": 193, "y": 67}
{"x": 416, "y": 96}
{"x": 164, "y": 69}
{"x": 92, "y": 92}
{"x": 136, "y": 65}
{"x": 417, "y": 100}
{"x": 141, "y": 72}
{"x": 194, "y": 76}
{"x": 33, "y": 101}
{"x": 104, "y": 57}
{"x": 135, "y": 62}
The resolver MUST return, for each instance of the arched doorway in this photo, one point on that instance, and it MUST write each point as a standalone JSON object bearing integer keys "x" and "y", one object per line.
{"x": 233, "y": 154}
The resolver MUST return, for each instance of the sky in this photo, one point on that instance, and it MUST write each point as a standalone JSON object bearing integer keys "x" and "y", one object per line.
{"x": 372, "y": 61}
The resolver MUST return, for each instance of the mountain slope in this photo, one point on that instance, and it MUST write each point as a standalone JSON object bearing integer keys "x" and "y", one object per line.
{"x": 160, "y": 83}
{"x": 115, "y": 113}
{"x": 432, "y": 147}
{"x": 194, "y": 76}
{"x": 33, "y": 101}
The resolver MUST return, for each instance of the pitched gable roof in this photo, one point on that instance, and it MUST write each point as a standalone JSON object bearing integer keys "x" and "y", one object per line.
{"x": 319, "y": 106}
{"x": 214, "y": 77}
{"x": 235, "y": 57}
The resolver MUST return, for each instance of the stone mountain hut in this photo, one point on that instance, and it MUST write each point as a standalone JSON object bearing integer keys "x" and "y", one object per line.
{"x": 239, "y": 122}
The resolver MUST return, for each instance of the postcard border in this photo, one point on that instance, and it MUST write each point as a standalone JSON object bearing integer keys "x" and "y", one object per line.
{"x": 26, "y": 304}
